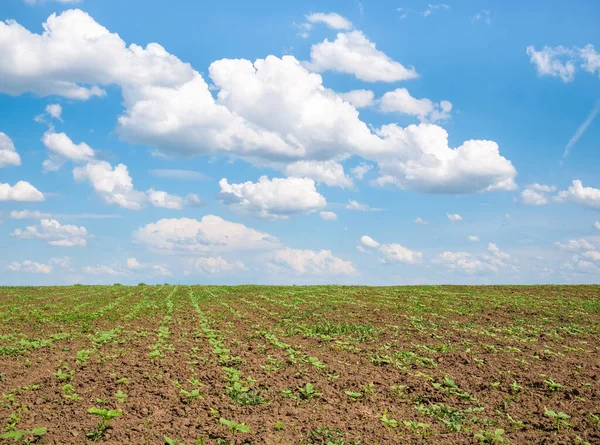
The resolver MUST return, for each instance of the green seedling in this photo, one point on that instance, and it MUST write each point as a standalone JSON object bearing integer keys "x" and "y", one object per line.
{"x": 279, "y": 425}
{"x": 121, "y": 396}
{"x": 308, "y": 392}
{"x": 417, "y": 427}
{"x": 553, "y": 385}
{"x": 234, "y": 427}
{"x": 561, "y": 419}
{"x": 488, "y": 437}
{"x": 106, "y": 415}
{"x": 595, "y": 419}
{"x": 169, "y": 441}
{"x": 353, "y": 395}
{"x": 65, "y": 376}
{"x": 389, "y": 423}
{"x": 515, "y": 387}
{"x": 25, "y": 436}
{"x": 193, "y": 394}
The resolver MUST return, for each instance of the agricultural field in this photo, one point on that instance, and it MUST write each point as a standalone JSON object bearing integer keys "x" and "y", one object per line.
{"x": 300, "y": 365}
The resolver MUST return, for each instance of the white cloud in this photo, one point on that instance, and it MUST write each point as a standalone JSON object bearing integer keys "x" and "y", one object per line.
{"x": 54, "y": 111}
{"x": 331, "y": 20}
{"x": 592, "y": 254}
{"x": 418, "y": 157}
{"x": 597, "y": 225}
{"x": 178, "y": 174}
{"x": 75, "y": 54}
{"x": 368, "y": 241}
{"x": 55, "y": 234}
{"x": 213, "y": 265}
{"x": 580, "y": 245}
{"x": 473, "y": 264}
{"x": 591, "y": 59}
{"x": 211, "y": 234}
{"x": 310, "y": 262}
{"x": 193, "y": 200}
{"x": 535, "y": 194}
{"x": 113, "y": 185}
{"x": 419, "y": 220}
{"x": 473, "y": 238}
{"x": 330, "y": 173}
{"x": 353, "y": 53}
{"x": 278, "y": 198}
{"x": 484, "y": 15}
{"x": 30, "y": 266}
{"x": 400, "y": 101}
{"x": 64, "y": 262}
{"x": 22, "y": 191}
{"x": 155, "y": 269}
{"x": 61, "y": 148}
{"x": 29, "y": 214}
{"x": 454, "y": 217}
{"x": 355, "y": 205}
{"x": 165, "y": 200}
{"x": 361, "y": 170}
{"x": 271, "y": 112}
{"x": 392, "y": 253}
{"x": 328, "y": 216}
{"x": 8, "y": 153}
{"x": 586, "y": 196}
{"x": 359, "y": 98}
{"x": 555, "y": 62}
{"x": 432, "y": 8}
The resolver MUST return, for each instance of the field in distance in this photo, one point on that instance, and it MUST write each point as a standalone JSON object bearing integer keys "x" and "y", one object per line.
{"x": 300, "y": 365}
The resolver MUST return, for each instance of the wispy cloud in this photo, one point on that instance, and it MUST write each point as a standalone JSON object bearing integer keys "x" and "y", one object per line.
{"x": 582, "y": 128}
{"x": 484, "y": 15}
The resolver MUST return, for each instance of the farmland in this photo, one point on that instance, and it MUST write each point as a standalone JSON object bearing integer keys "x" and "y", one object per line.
{"x": 300, "y": 365}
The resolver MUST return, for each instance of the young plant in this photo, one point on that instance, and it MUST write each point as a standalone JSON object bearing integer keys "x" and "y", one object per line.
{"x": 488, "y": 437}
{"x": 27, "y": 436}
{"x": 169, "y": 441}
{"x": 121, "y": 396}
{"x": 353, "y": 395}
{"x": 560, "y": 418}
{"x": 233, "y": 426}
{"x": 308, "y": 392}
{"x": 389, "y": 423}
{"x": 106, "y": 415}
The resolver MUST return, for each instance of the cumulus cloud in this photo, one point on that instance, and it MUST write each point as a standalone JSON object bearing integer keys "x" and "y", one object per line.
{"x": 359, "y": 98}
{"x": 400, "y": 101}
{"x": 210, "y": 234}
{"x": 597, "y": 225}
{"x": 8, "y": 153}
{"x": 22, "y": 191}
{"x": 55, "y": 234}
{"x": 536, "y": 194}
{"x": 328, "y": 216}
{"x": 278, "y": 198}
{"x": 331, "y": 20}
{"x": 114, "y": 186}
{"x": 30, "y": 267}
{"x": 586, "y": 196}
{"x": 271, "y": 112}
{"x": 355, "y": 205}
{"x": 419, "y": 158}
{"x": 353, "y": 53}
{"x": 61, "y": 148}
{"x": 473, "y": 238}
{"x": 310, "y": 262}
{"x": 419, "y": 220}
{"x": 29, "y": 214}
{"x": 330, "y": 173}
{"x": 454, "y": 217}
{"x": 213, "y": 266}
{"x": 392, "y": 253}
{"x": 580, "y": 245}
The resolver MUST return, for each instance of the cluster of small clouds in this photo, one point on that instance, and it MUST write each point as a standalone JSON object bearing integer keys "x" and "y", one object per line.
{"x": 538, "y": 194}
{"x": 55, "y": 233}
{"x": 561, "y": 61}
{"x": 271, "y": 112}
{"x": 470, "y": 263}
{"x": 390, "y": 253}
{"x": 585, "y": 256}
{"x": 29, "y": 266}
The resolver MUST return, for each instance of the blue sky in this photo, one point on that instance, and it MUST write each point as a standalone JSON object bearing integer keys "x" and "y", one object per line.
{"x": 322, "y": 142}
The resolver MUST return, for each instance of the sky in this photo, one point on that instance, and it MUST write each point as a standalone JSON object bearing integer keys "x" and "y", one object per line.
{"x": 351, "y": 142}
